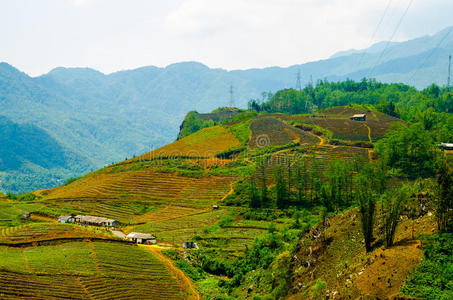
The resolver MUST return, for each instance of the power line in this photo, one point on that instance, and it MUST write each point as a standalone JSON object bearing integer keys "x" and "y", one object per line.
{"x": 298, "y": 84}
{"x": 391, "y": 38}
{"x": 231, "y": 96}
{"x": 375, "y": 31}
{"x": 430, "y": 54}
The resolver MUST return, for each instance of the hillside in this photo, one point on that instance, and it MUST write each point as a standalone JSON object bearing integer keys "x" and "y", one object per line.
{"x": 224, "y": 187}
{"x": 170, "y": 193}
{"x": 107, "y": 117}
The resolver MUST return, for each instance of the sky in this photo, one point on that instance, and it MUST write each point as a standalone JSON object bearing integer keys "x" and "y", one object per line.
{"x": 112, "y": 35}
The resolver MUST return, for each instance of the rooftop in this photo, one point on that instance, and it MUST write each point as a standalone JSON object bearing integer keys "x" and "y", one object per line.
{"x": 139, "y": 235}
{"x": 446, "y": 145}
{"x": 94, "y": 219}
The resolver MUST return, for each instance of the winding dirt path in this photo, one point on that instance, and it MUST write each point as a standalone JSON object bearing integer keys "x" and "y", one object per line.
{"x": 185, "y": 281}
{"x": 231, "y": 191}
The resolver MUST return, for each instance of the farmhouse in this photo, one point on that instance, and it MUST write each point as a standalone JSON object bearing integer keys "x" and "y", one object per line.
{"x": 95, "y": 221}
{"x": 141, "y": 238}
{"x": 358, "y": 117}
{"x": 446, "y": 146}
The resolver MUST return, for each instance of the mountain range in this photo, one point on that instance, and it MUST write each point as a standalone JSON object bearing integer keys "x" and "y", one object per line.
{"x": 92, "y": 119}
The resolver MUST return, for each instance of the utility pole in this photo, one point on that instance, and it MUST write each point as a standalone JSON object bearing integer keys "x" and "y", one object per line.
{"x": 449, "y": 73}
{"x": 231, "y": 96}
{"x": 298, "y": 84}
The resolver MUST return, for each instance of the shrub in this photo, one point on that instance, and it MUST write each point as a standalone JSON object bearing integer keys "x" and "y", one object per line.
{"x": 433, "y": 278}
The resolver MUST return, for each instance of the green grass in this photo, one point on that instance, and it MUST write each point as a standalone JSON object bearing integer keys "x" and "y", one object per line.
{"x": 241, "y": 131}
{"x": 67, "y": 258}
{"x": 204, "y": 135}
{"x": 9, "y": 214}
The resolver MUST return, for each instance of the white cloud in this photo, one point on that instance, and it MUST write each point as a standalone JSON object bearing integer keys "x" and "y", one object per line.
{"x": 82, "y": 2}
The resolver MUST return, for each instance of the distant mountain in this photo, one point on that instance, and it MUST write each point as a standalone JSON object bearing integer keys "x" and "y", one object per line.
{"x": 29, "y": 156}
{"x": 103, "y": 118}
{"x": 375, "y": 48}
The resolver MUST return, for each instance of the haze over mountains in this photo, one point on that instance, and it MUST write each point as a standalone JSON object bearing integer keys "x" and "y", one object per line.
{"x": 92, "y": 119}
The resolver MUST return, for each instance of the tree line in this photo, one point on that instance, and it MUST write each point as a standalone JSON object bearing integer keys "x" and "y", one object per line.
{"x": 341, "y": 184}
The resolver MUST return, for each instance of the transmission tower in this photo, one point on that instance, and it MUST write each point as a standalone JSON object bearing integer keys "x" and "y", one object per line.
{"x": 298, "y": 84}
{"x": 231, "y": 96}
{"x": 449, "y": 73}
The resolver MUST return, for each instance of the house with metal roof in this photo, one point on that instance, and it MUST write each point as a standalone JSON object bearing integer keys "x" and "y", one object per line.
{"x": 358, "y": 117}
{"x": 141, "y": 238}
{"x": 446, "y": 146}
{"x": 95, "y": 221}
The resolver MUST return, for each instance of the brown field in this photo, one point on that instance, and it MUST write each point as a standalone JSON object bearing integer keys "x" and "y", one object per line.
{"x": 336, "y": 120}
{"x": 268, "y": 131}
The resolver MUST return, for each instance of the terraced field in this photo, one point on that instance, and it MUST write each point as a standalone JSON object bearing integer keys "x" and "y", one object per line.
{"x": 140, "y": 195}
{"x": 182, "y": 228}
{"x": 12, "y": 210}
{"x": 47, "y": 231}
{"x": 337, "y": 121}
{"x": 204, "y": 143}
{"x": 86, "y": 270}
{"x": 8, "y": 213}
{"x": 269, "y": 131}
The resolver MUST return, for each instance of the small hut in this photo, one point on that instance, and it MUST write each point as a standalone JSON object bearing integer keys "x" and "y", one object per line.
{"x": 358, "y": 117}
{"x": 141, "y": 238}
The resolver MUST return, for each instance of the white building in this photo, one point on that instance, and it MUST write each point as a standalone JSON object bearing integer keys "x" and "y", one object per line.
{"x": 141, "y": 238}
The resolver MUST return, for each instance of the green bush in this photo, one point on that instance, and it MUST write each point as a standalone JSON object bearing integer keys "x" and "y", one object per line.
{"x": 70, "y": 180}
{"x": 433, "y": 278}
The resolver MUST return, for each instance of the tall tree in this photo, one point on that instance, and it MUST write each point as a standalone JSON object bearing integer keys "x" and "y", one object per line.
{"x": 255, "y": 201}
{"x": 281, "y": 191}
{"x": 444, "y": 209}
{"x": 263, "y": 186}
{"x": 367, "y": 206}
{"x": 391, "y": 209}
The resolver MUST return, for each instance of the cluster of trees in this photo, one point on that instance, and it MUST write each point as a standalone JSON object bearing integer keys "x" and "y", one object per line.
{"x": 395, "y": 99}
{"x": 344, "y": 184}
{"x": 303, "y": 183}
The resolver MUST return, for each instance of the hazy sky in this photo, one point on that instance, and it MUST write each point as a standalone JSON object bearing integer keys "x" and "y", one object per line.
{"x": 110, "y": 35}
